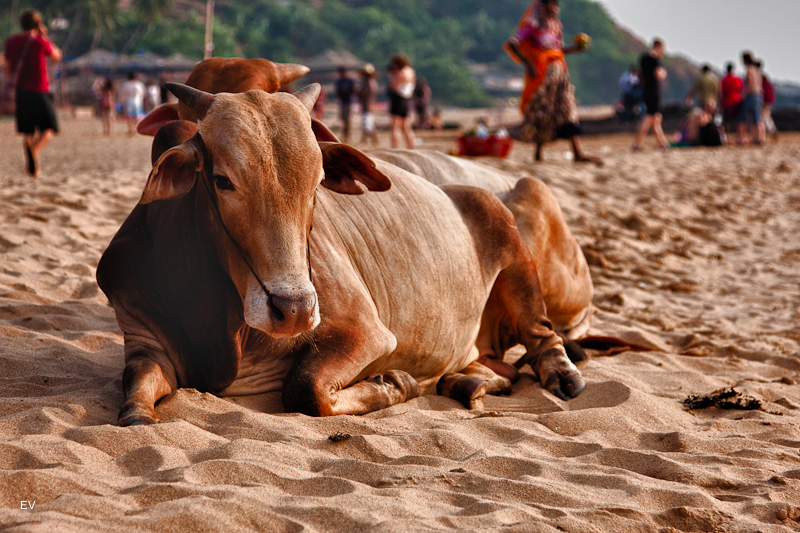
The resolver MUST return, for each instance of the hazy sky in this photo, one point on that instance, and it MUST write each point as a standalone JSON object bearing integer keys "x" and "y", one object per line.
{"x": 716, "y": 31}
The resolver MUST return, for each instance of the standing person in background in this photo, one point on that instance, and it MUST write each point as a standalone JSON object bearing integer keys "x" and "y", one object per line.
{"x": 132, "y": 95}
{"x": 163, "y": 91}
{"x": 652, "y": 76}
{"x": 422, "y": 99}
{"x": 402, "y": 80}
{"x": 548, "y": 99}
{"x": 26, "y": 57}
{"x": 107, "y": 106}
{"x": 367, "y": 90}
{"x": 730, "y": 97}
{"x": 629, "y": 88}
{"x": 153, "y": 97}
{"x": 751, "y": 129}
{"x": 705, "y": 88}
{"x": 768, "y": 94}
{"x": 318, "y": 111}
{"x": 345, "y": 88}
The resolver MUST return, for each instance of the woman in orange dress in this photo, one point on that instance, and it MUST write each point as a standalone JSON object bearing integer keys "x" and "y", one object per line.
{"x": 548, "y": 99}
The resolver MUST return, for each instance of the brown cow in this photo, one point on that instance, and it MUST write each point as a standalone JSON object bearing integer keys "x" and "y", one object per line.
{"x": 224, "y": 75}
{"x": 218, "y": 282}
{"x": 563, "y": 272}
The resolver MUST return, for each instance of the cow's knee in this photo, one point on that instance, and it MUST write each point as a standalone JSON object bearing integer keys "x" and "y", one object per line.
{"x": 306, "y": 392}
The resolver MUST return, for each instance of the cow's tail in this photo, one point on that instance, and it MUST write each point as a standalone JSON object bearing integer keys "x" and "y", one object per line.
{"x": 603, "y": 346}
{"x": 574, "y": 350}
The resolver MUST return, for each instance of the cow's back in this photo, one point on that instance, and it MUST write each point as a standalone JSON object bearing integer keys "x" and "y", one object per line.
{"x": 563, "y": 272}
{"x": 442, "y": 169}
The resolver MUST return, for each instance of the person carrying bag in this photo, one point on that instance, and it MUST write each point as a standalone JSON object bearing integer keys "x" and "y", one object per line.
{"x": 27, "y": 53}
{"x": 8, "y": 104}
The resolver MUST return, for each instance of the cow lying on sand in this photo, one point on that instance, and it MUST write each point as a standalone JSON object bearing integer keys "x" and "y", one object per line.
{"x": 563, "y": 273}
{"x": 219, "y": 283}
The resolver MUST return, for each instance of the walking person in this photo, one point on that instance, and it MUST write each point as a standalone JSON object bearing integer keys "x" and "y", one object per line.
{"x": 345, "y": 89}
{"x": 367, "y": 89}
{"x": 402, "y": 80}
{"x": 653, "y": 74}
{"x": 26, "y": 58}
{"x": 548, "y": 99}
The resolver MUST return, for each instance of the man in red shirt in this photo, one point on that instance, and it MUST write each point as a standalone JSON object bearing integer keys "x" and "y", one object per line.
{"x": 27, "y": 52}
{"x": 730, "y": 97}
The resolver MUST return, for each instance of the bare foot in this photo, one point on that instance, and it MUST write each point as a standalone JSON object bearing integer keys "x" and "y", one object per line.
{"x": 587, "y": 159}
{"x": 31, "y": 165}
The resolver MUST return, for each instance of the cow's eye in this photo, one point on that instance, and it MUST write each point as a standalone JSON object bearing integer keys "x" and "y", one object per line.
{"x": 223, "y": 183}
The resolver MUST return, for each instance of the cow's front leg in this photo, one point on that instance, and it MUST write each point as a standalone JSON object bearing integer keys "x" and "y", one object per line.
{"x": 319, "y": 383}
{"x": 515, "y": 314}
{"x": 146, "y": 379}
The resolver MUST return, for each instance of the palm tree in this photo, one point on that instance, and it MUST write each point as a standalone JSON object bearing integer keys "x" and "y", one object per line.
{"x": 148, "y": 12}
{"x": 103, "y": 14}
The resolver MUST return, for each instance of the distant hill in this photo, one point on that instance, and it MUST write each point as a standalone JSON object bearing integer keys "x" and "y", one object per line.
{"x": 442, "y": 37}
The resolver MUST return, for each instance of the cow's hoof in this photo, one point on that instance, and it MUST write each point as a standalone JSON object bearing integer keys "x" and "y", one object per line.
{"x": 403, "y": 381}
{"x": 131, "y": 415}
{"x": 559, "y": 376}
{"x": 468, "y": 390}
{"x": 136, "y": 420}
{"x": 565, "y": 385}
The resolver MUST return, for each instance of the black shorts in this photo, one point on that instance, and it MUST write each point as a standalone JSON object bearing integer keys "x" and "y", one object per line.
{"x": 652, "y": 102}
{"x": 35, "y": 111}
{"x": 398, "y": 106}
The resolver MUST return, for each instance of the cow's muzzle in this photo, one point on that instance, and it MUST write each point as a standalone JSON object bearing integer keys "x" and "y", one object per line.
{"x": 282, "y": 313}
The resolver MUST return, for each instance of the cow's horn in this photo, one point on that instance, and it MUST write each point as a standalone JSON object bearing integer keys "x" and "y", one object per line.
{"x": 288, "y": 72}
{"x": 308, "y": 95}
{"x": 196, "y": 100}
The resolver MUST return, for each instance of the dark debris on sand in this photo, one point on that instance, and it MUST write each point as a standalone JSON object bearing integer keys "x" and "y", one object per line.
{"x": 728, "y": 398}
{"x": 339, "y": 437}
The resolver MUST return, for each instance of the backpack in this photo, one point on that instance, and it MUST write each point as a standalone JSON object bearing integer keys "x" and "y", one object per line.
{"x": 768, "y": 90}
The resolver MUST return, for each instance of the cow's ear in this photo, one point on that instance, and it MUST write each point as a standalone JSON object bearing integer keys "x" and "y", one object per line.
{"x": 174, "y": 173}
{"x": 156, "y": 118}
{"x": 321, "y": 132}
{"x": 344, "y": 165}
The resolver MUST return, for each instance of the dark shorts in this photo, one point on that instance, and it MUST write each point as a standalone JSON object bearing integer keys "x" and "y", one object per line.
{"x": 35, "y": 111}
{"x": 398, "y": 106}
{"x": 652, "y": 102}
{"x": 730, "y": 115}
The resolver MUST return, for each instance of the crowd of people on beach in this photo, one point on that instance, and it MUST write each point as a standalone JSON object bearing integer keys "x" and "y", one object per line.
{"x": 131, "y": 101}
{"x": 717, "y": 107}
{"x": 405, "y": 92}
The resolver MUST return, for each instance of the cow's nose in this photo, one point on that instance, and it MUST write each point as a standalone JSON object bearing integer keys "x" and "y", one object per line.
{"x": 293, "y": 312}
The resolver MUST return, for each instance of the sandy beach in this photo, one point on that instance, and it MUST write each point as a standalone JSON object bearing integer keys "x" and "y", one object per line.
{"x": 693, "y": 252}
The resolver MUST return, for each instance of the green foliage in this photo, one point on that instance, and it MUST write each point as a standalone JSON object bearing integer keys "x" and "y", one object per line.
{"x": 441, "y": 37}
